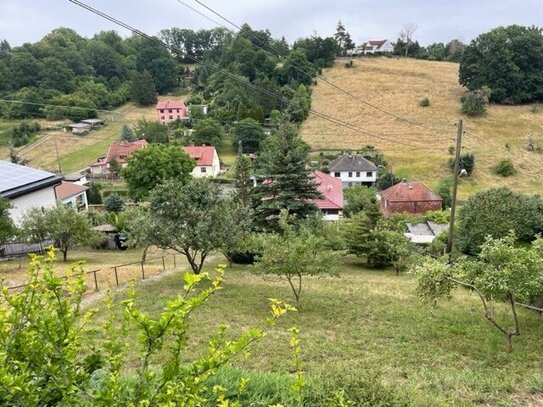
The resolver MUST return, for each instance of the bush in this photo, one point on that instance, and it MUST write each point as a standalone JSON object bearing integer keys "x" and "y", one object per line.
{"x": 505, "y": 168}
{"x": 474, "y": 103}
{"x": 424, "y": 102}
{"x": 114, "y": 203}
{"x": 349, "y": 64}
{"x": 467, "y": 162}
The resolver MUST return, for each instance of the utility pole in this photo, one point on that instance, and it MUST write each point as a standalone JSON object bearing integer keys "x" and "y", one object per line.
{"x": 58, "y": 158}
{"x": 459, "y": 132}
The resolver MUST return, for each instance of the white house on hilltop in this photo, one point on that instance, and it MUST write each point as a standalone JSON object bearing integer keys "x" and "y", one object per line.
{"x": 353, "y": 170}
{"x": 373, "y": 47}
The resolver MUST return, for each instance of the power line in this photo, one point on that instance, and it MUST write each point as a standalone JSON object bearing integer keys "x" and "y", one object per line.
{"x": 232, "y": 76}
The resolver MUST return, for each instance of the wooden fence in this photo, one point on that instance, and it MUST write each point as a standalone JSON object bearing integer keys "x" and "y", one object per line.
{"x": 19, "y": 249}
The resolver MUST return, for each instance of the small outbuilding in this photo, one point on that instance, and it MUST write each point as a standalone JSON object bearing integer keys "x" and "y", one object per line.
{"x": 80, "y": 128}
{"x": 414, "y": 198}
{"x": 93, "y": 122}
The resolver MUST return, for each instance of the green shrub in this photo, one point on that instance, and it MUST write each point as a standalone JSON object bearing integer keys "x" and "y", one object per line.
{"x": 114, "y": 203}
{"x": 424, "y": 102}
{"x": 505, "y": 168}
{"x": 467, "y": 162}
{"x": 474, "y": 103}
{"x": 349, "y": 64}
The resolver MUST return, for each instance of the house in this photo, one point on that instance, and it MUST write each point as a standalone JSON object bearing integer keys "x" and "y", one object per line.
{"x": 353, "y": 170}
{"x": 170, "y": 111}
{"x": 331, "y": 189}
{"x": 409, "y": 197}
{"x": 73, "y": 195}
{"x": 26, "y": 188}
{"x": 80, "y": 128}
{"x": 424, "y": 232}
{"x": 77, "y": 178}
{"x": 119, "y": 152}
{"x": 93, "y": 122}
{"x": 377, "y": 46}
{"x": 208, "y": 164}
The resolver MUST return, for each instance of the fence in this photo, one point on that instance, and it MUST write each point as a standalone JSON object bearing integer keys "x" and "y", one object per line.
{"x": 117, "y": 275}
{"x": 18, "y": 249}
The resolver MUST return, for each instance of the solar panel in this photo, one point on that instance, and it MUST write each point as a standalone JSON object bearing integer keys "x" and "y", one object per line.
{"x": 14, "y": 175}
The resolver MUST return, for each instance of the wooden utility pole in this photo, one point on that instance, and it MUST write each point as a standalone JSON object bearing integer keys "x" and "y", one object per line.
{"x": 459, "y": 132}
{"x": 58, "y": 158}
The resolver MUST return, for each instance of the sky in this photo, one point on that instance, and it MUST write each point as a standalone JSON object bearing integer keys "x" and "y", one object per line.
{"x": 437, "y": 20}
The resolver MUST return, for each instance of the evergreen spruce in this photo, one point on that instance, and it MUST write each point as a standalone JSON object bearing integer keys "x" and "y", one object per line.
{"x": 244, "y": 184}
{"x": 288, "y": 184}
{"x": 127, "y": 134}
{"x": 360, "y": 236}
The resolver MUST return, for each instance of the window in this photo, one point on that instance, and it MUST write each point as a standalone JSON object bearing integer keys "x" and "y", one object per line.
{"x": 161, "y": 117}
{"x": 203, "y": 169}
{"x": 177, "y": 110}
{"x": 337, "y": 174}
{"x": 169, "y": 110}
{"x": 350, "y": 184}
{"x": 358, "y": 174}
{"x": 171, "y": 117}
{"x": 350, "y": 174}
{"x": 161, "y": 110}
{"x": 369, "y": 174}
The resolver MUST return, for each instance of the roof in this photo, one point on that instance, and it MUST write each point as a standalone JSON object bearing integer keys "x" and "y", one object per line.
{"x": 378, "y": 43}
{"x": 331, "y": 189}
{"x": 74, "y": 176}
{"x": 351, "y": 163}
{"x": 123, "y": 149}
{"x": 174, "y": 104}
{"x": 79, "y": 125}
{"x": 424, "y": 232}
{"x": 202, "y": 154}
{"x": 106, "y": 228}
{"x": 92, "y": 121}
{"x": 17, "y": 180}
{"x": 409, "y": 192}
{"x": 68, "y": 189}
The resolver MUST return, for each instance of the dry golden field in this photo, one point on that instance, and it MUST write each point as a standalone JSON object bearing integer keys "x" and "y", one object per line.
{"x": 397, "y": 86}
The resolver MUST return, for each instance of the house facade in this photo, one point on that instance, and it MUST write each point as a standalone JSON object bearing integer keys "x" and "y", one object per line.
{"x": 170, "y": 111}
{"x": 377, "y": 46}
{"x": 331, "y": 204}
{"x": 119, "y": 152}
{"x": 26, "y": 188}
{"x": 414, "y": 198}
{"x": 353, "y": 170}
{"x": 208, "y": 164}
{"x": 73, "y": 195}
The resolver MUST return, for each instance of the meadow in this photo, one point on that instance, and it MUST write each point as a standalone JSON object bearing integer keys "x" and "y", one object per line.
{"x": 417, "y": 149}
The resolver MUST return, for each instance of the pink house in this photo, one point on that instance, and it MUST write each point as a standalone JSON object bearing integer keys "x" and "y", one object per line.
{"x": 331, "y": 188}
{"x": 169, "y": 111}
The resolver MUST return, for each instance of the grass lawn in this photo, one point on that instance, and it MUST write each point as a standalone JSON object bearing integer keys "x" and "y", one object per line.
{"x": 397, "y": 85}
{"x": 371, "y": 322}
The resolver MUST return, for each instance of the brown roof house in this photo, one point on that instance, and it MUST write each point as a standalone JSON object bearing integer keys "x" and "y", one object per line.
{"x": 409, "y": 197}
{"x": 119, "y": 152}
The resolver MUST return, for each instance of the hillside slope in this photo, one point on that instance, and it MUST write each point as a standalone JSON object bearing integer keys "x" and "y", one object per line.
{"x": 398, "y": 85}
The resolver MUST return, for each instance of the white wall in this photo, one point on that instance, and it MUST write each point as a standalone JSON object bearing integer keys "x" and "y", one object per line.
{"x": 44, "y": 198}
{"x": 356, "y": 177}
{"x": 210, "y": 171}
{"x": 72, "y": 201}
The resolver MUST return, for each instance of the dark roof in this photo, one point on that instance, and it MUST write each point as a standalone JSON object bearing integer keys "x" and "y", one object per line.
{"x": 409, "y": 192}
{"x": 18, "y": 180}
{"x": 68, "y": 189}
{"x": 351, "y": 163}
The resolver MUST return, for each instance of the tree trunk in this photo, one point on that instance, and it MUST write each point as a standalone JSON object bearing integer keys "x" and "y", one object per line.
{"x": 64, "y": 255}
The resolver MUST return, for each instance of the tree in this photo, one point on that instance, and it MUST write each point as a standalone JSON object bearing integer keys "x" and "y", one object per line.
{"x": 474, "y": 102}
{"x": 294, "y": 254}
{"x": 297, "y": 68}
{"x": 152, "y": 131}
{"x": 7, "y": 228}
{"x": 288, "y": 184}
{"x": 249, "y": 132}
{"x": 509, "y": 61}
{"x": 244, "y": 184}
{"x": 94, "y": 195}
{"x": 358, "y": 199}
{"x": 114, "y": 203}
{"x": 298, "y": 108}
{"x": 61, "y": 223}
{"x": 127, "y": 134}
{"x": 149, "y": 167}
{"x": 143, "y": 89}
{"x": 495, "y": 212}
{"x": 343, "y": 39}
{"x": 407, "y": 35}
{"x": 444, "y": 190}
{"x": 209, "y": 132}
{"x": 503, "y": 272}
{"x": 193, "y": 219}
{"x": 455, "y": 50}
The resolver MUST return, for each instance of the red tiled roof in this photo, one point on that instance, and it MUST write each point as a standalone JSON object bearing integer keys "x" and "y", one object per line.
{"x": 173, "y": 104}
{"x": 202, "y": 154}
{"x": 120, "y": 150}
{"x": 409, "y": 192}
{"x": 330, "y": 188}
{"x": 379, "y": 43}
{"x": 67, "y": 189}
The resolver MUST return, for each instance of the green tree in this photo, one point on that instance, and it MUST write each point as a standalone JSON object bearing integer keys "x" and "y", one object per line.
{"x": 244, "y": 184}
{"x": 208, "y": 131}
{"x": 503, "y": 272}
{"x": 7, "y": 228}
{"x": 288, "y": 184}
{"x": 293, "y": 254}
{"x": 63, "y": 224}
{"x": 297, "y": 68}
{"x": 298, "y": 108}
{"x": 94, "y": 194}
{"x": 249, "y": 132}
{"x": 358, "y": 199}
{"x": 143, "y": 89}
{"x": 444, "y": 190}
{"x": 508, "y": 60}
{"x": 149, "y": 167}
{"x": 495, "y": 212}
{"x": 152, "y": 131}
{"x": 193, "y": 219}
{"x": 474, "y": 103}
{"x": 505, "y": 168}
{"x": 343, "y": 39}
{"x": 114, "y": 203}
{"x": 127, "y": 134}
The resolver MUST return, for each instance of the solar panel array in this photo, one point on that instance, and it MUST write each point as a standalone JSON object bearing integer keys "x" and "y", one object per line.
{"x": 14, "y": 176}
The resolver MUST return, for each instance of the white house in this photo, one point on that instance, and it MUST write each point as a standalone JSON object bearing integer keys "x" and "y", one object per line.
{"x": 377, "y": 46}
{"x": 74, "y": 195}
{"x": 26, "y": 188}
{"x": 208, "y": 164}
{"x": 353, "y": 170}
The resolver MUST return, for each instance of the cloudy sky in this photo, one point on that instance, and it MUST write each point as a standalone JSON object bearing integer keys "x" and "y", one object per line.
{"x": 437, "y": 20}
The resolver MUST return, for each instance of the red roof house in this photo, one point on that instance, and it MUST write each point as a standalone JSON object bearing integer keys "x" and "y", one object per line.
{"x": 169, "y": 111}
{"x": 207, "y": 161}
{"x": 332, "y": 190}
{"x": 118, "y": 151}
{"x": 72, "y": 194}
{"x": 410, "y": 197}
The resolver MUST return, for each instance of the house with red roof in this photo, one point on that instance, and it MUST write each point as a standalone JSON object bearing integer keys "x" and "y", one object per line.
{"x": 169, "y": 111}
{"x": 373, "y": 47}
{"x": 72, "y": 194}
{"x": 331, "y": 188}
{"x": 207, "y": 160}
{"x": 414, "y": 198}
{"x": 119, "y": 152}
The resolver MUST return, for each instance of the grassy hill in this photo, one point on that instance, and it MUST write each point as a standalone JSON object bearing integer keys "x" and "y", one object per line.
{"x": 398, "y": 85}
